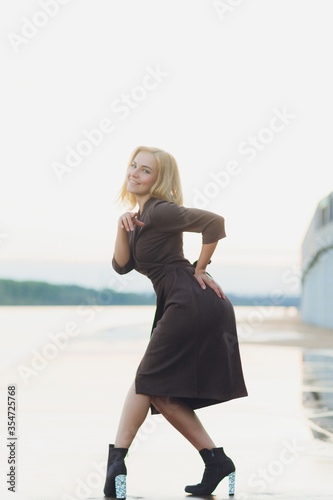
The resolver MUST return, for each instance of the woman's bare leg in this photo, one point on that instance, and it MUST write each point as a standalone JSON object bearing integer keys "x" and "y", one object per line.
{"x": 134, "y": 412}
{"x": 178, "y": 413}
{"x": 185, "y": 420}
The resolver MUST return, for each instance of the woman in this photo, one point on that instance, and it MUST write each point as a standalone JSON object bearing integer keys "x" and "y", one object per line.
{"x": 192, "y": 359}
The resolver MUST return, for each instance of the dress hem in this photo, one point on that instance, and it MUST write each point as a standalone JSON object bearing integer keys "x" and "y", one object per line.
{"x": 195, "y": 402}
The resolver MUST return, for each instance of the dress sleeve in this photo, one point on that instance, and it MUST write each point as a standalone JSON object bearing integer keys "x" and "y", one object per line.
{"x": 123, "y": 269}
{"x": 170, "y": 217}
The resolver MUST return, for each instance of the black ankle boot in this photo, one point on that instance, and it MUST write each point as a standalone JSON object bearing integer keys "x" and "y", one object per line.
{"x": 218, "y": 466}
{"x": 115, "y": 484}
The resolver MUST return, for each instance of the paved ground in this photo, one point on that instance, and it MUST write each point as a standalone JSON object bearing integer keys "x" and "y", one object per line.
{"x": 279, "y": 437}
{"x": 281, "y": 327}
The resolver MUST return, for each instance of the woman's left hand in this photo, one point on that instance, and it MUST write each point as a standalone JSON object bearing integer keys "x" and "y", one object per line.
{"x": 204, "y": 279}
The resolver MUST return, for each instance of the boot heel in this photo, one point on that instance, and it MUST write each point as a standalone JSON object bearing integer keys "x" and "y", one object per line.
{"x": 232, "y": 478}
{"x": 120, "y": 485}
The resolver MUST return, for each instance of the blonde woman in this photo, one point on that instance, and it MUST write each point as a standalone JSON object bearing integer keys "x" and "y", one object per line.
{"x": 192, "y": 359}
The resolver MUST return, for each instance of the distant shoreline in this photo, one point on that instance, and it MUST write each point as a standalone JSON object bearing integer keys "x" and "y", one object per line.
{"x": 41, "y": 293}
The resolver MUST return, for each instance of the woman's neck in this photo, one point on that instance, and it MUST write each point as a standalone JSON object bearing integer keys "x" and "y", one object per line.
{"x": 142, "y": 200}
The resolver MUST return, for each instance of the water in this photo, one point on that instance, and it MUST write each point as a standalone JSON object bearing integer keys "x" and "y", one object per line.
{"x": 27, "y": 328}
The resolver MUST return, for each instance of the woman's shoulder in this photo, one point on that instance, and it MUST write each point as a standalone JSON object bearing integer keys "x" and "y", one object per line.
{"x": 163, "y": 211}
{"x": 160, "y": 205}
{"x": 159, "y": 201}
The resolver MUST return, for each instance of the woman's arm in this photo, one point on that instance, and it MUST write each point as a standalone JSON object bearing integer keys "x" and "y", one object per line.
{"x": 200, "y": 274}
{"x": 121, "y": 248}
{"x": 122, "y": 252}
{"x": 207, "y": 251}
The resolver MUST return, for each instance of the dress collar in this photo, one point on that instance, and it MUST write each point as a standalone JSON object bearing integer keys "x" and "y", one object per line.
{"x": 145, "y": 205}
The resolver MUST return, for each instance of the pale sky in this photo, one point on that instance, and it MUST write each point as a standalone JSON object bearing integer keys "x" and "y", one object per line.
{"x": 241, "y": 96}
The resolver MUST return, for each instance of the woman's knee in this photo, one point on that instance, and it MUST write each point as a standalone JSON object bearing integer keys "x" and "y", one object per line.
{"x": 156, "y": 401}
{"x": 165, "y": 404}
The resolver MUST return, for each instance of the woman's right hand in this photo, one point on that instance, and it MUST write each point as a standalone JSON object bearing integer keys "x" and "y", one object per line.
{"x": 128, "y": 220}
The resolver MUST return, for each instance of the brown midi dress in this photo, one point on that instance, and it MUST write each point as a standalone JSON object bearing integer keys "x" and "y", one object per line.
{"x": 193, "y": 352}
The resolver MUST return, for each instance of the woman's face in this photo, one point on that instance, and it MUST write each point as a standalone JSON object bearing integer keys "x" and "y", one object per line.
{"x": 142, "y": 173}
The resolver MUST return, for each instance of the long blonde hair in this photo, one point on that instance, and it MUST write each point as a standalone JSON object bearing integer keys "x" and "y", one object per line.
{"x": 167, "y": 186}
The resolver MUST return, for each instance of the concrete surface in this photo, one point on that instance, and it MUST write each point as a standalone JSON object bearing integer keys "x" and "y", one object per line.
{"x": 280, "y": 436}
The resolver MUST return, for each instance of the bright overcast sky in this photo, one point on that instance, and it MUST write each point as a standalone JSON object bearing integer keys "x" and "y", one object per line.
{"x": 240, "y": 92}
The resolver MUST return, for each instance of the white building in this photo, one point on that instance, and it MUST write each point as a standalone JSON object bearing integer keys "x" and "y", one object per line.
{"x": 317, "y": 267}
